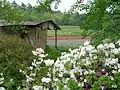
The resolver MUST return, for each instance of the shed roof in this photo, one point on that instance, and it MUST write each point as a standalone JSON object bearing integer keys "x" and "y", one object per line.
{"x": 3, "y": 23}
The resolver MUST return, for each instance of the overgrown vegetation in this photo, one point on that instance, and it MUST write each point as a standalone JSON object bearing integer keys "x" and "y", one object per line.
{"x": 86, "y": 67}
{"x": 14, "y": 54}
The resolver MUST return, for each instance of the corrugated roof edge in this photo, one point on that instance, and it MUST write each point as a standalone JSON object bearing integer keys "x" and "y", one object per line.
{"x": 29, "y": 23}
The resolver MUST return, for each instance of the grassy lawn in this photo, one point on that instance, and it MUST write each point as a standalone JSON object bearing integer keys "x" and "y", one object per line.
{"x": 67, "y": 31}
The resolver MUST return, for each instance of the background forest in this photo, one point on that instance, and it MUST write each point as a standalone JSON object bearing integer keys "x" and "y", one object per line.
{"x": 37, "y": 13}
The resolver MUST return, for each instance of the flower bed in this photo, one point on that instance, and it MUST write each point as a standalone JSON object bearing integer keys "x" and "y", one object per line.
{"x": 87, "y": 67}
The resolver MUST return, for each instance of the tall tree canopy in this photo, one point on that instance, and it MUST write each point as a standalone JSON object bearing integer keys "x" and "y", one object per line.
{"x": 8, "y": 12}
{"x": 103, "y": 19}
{"x": 15, "y": 12}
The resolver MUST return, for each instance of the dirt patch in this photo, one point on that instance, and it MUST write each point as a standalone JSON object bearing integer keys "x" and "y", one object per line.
{"x": 67, "y": 37}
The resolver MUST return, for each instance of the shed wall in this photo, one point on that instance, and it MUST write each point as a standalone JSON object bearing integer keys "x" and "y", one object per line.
{"x": 41, "y": 38}
{"x": 36, "y": 37}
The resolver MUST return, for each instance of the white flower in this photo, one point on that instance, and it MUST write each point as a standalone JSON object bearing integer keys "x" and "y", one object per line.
{"x": 66, "y": 87}
{"x": 35, "y": 53}
{"x": 88, "y": 63}
{"x": 118, "y": 66}
{"x": 49, "y": 62}
{"x": 29, "y": 78}
{"x": 106, "y": 46}
{"x": 118, "y": 70}
{"x": 2, "y": 88}
{"x": 34, "y": 64}
{"x": 86, "y": 43}
{"x": 55, "y": 79}
{"x": 86, "y": 72}
{"x": 40, "y": 50}
{"x": 111, "y": 45}
{"x": 72, "y": 75}
{"x": 37, "y": 87}
{"x": 32, "y": 74}
{"x": 111, "y": 78}
{"x": 89, "y": 48}
{"x": 11, "y": 80}
{"x": 114, "y": 61}
{"x": 113, "y": 71}
{"x": 111, "y": 61}
{"x": 91, "y": 71}
{"x": 118, "y": 42}
{"x": 67, "y": 79}
{"x": 1, "y": 74}
{"x": 83, "y": 52}
{"x": 31, "y": 68}
{"x": 95, "y": 57}
{"x": 115, "y": 67}
{"x": 106, "y": 53}
{"x": 60, "y": 75}
{"x": 1, "y": 79}
{"x": 114, "y": 86}
{"x": 49, "y": 75}
{"x": 101, "y": 47}
{"x": 82, "y": 83}
{"x": 46, "y": 80}
{"x": 85, "y": 80}
{"x": 119, "y": 49}
{"x": 115, "y": 51}
{"x": 42, "y": 55}
{"x": 21, "y": 71}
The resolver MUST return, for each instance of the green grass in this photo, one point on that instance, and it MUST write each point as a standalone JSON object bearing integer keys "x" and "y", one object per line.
{"x": 67, "y": 31}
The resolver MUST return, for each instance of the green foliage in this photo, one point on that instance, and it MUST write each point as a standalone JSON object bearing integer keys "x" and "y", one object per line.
{"x": 117, "y": 80}
{"x": 9, "y": 13}
{"x": 14, "y": 54}
{"x": 91, "y": 78}
{"x": 68, "y": 66}
{"x": 102, "y": 20}
{"x": 73, "y": 85}
{"x": 66, "y": 48}
{"x": 14, "y": 12}
{"x": 105, "y": 80}
{"x": 60, "y": 86}
{"x": 52, "y": 52}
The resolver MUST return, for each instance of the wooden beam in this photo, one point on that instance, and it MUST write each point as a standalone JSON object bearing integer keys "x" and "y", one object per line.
{"x": 56, "y": 38}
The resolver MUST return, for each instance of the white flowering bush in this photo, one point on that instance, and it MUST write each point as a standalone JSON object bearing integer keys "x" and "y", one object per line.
{"x": 88, "y": 67}
{"x": 1, "y": 78}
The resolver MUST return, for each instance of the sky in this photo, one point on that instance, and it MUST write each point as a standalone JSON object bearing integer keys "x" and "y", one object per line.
{"x": 63, "y": 6}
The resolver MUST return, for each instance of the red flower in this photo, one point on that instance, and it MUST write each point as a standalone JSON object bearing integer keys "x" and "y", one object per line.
{"x": 99, "y": 73}
{"x": 86, "y": 88}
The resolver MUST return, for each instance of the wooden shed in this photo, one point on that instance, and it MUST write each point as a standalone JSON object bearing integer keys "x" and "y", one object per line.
{"x": 34, "y": 32}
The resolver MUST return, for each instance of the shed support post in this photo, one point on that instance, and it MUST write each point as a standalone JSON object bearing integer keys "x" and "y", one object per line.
{"x": 56, "y": 39}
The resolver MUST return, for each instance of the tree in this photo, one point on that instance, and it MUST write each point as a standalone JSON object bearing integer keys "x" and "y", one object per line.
{"x": 23, "y": 6}
{"x": 15, "y": 5}
{"x": 29, "y": 6}
{"x": 103, "y": 18}
{"x": 9, "y": 13}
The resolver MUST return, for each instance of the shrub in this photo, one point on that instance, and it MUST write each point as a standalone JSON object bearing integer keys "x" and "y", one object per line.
{"x": 52, "y": 52}
{"x": 14, "y": 54}
{"x": 87, "y": 67}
